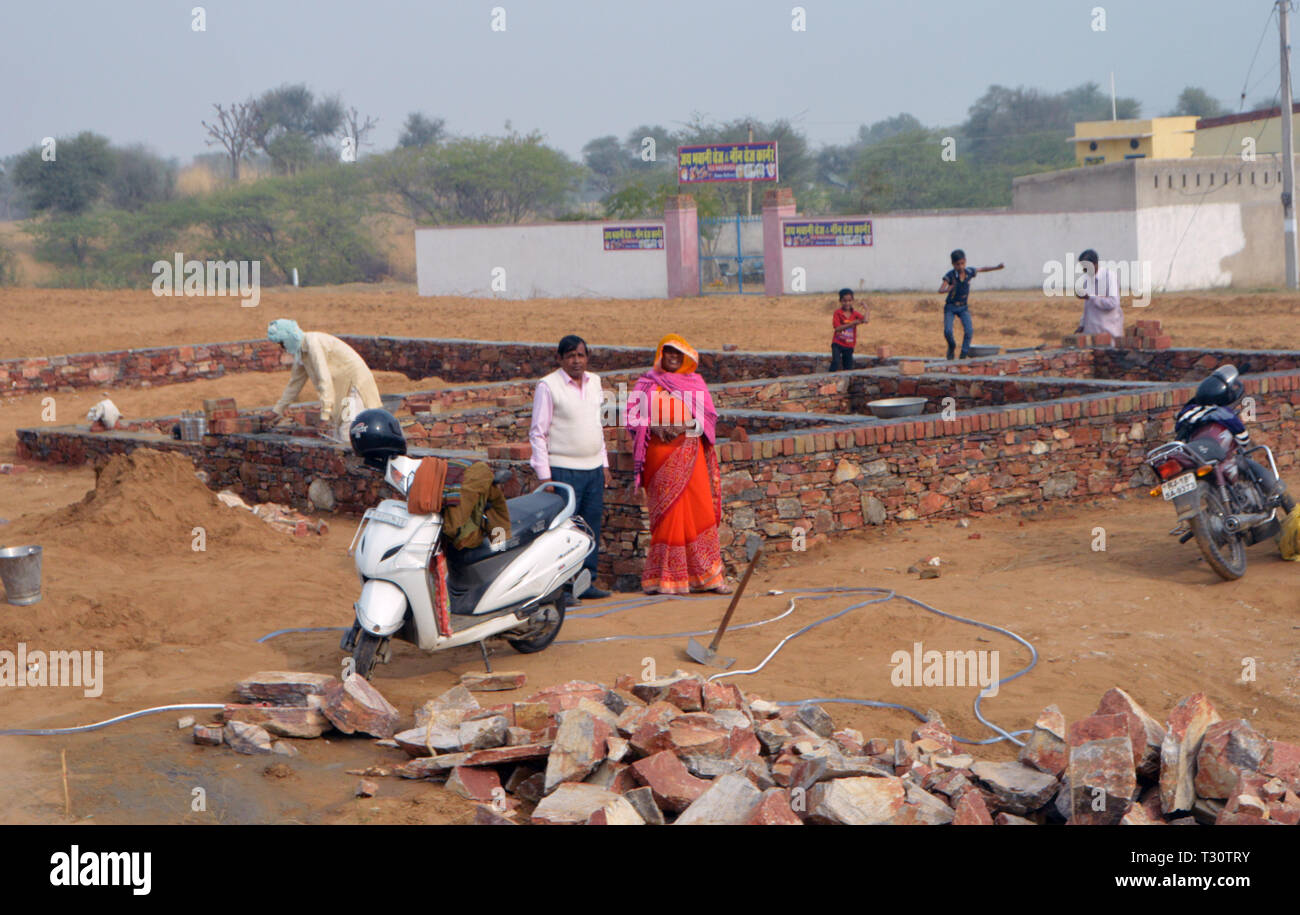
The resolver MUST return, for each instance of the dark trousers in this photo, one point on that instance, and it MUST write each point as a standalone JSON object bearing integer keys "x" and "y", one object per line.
{"x": 841, "y": 357}
{"x": 589, "y": 491}
{"x": 951, "y": 312}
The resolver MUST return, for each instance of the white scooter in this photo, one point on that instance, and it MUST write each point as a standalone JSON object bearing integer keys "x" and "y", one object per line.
{"x": 514, "y": 585}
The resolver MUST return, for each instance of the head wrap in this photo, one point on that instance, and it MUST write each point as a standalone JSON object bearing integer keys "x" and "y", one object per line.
{"x": 286, "y": 332}
{"x": 685, "y": 384}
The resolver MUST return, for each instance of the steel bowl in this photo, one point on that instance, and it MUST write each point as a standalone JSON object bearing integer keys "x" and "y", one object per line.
{"x": 896, "y": 406}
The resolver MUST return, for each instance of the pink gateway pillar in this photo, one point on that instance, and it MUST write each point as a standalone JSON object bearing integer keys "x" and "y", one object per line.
{"x": 778, "y": 204}
{"x": 682, "y": 245}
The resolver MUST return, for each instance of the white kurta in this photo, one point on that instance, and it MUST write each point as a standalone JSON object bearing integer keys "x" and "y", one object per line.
{"x": 336, "y": 371}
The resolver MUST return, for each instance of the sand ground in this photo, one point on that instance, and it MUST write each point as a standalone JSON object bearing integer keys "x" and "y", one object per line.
{"x": 177, "y": 625}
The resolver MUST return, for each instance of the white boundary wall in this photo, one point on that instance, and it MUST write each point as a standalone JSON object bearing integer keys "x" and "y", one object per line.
{"x": 911, "y": 251}
{"x": 551, "y": 260}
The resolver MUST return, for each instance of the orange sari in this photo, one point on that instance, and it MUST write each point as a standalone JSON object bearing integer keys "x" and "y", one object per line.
{"x": 684, "y": 497}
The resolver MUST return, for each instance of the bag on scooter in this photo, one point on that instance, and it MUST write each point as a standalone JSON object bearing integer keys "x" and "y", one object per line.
{"x": 471, "y": 503}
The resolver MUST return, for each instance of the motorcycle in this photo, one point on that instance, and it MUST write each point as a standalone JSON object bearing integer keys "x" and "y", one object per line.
{"x": 1217, "y": 500}
{"x": 514, "y": 584}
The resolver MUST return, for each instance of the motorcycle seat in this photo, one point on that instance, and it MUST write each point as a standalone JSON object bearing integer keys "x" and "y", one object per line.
{"x": 530, "y": 515}
{"x": 1208, "y": 449}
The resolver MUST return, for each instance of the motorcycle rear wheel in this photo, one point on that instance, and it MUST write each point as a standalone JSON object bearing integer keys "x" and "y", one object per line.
{"x": 543, "y": 627}
{"x": 1225, "y": 552}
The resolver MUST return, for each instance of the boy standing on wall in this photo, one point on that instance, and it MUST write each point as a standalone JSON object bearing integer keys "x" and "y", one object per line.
{"x": 956, "y": 282}
{"x": 844, "y": 335}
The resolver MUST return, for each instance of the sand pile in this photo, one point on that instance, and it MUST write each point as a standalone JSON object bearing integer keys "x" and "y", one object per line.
{"x": 149, "y": 503}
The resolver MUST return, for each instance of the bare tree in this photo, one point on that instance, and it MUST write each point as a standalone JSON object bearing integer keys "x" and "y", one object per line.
{"x": 233, "y": 131}
{"x": 356, "y": 128}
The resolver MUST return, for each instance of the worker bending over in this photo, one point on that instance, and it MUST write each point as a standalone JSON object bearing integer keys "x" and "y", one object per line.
{"x": 342, "y": 379}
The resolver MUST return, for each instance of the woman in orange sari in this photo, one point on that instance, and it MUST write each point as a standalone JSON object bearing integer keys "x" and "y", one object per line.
{"x": 672, "y": 417}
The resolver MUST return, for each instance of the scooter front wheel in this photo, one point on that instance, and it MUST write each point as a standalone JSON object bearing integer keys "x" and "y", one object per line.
{"x": 365, "y": 654}
{"x": 541, "y": 629}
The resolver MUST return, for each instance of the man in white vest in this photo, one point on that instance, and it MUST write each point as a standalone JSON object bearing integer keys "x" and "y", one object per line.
{"x": 568, "y": 441}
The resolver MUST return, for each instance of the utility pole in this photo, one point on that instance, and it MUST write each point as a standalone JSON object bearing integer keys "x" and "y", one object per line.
{"x": 749, "y": 185}
{"x": 1288, "y": 154}
{"x": 1113, "y": 115}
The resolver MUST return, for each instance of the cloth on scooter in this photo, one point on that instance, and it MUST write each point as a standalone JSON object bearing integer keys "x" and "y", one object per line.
{"x": 473, "y": 508}
{"x": 425, "y": 495}
{"x": 1289, "y": 541}
{"x": 471, "y": 503}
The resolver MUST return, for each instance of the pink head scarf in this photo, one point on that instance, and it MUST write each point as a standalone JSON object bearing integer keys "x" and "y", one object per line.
{"x": 685, "y": 383}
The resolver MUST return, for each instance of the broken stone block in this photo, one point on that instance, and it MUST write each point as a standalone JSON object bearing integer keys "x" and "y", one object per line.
{"x": 1045, "y": 749}
{"x": 493, "y": 682}
{"x": 367, "y": 788}
{"x": 448, "y": 709}
{"x": 643, "y": 800}
{"x": 1228, "y": 750}
{"x": 685, "y": 692}
{"x": 879, "y": 746}
{"x": 904, "y": 756}
{"x": 733, "y": 718}
{"x": 282, "y": 687}
{"x": 934, "y": 729}
{"x": 698, "y": 735}
{"x": 301, "y": 721}
{"x": 1284, "y": 763}
{"x": 729, "y": 801}
{"x": 972, "y": 811}
{"x": 487, "y": 815}
{"x": 567, "y": 695}
{"x": 716, "y": 696}
{"x": 921, "y": 808}
{"x": 1147, "y": 737}
{"x": 948, "y": 761}
{"x": 427, "y": 740}
{"x": 578, "y": 748}
{"x": 1103, "y": 780}
{"x": 185, "y": 722}
{"x": 773, "y": 734}
{"x": 1183, "y": 734}
{"x": 483, "y": 733}
{"x": 612, "y": 776}
{"x": 651, "y": 733}
{"x": 617, "y": 812}
{"x": 531, "y": 789}
{"x": 477, "y": 784}
{"x": 616, "y": 748}
{"x": 572, "y": 803}
{"x": 597, "y": 710}
{"x": 762, "y": 708}
{"x": 283, "y": 748}
{"x": 711, "y": 766}
{"x": 860, "y": 801}
{"x": 1010, "y": 819}
{"x": 432, "y": 766}
{"x": 773, "y": 809}
{"x": 816, "y": 719}
{"x": 209, "y": 735}
{"x": 247, "y": 738}
{"x": 673, "y": 786}
{"x": 532, "y": 715}
{"x": 355, "y": 706}
{"x": 849, "y": 741}
{"x": 1018, "y": 788}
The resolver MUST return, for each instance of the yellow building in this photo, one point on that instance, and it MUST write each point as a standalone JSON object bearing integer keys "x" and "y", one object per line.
{"x": 1098, "y": 142}
{"x": 1260, "y": 132}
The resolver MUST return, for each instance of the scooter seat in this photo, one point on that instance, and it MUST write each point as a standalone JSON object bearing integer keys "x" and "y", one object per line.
{"x": 530, "y": 515}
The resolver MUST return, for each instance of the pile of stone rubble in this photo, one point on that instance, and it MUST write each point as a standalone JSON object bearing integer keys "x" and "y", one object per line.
{"x": 687, "y": 751}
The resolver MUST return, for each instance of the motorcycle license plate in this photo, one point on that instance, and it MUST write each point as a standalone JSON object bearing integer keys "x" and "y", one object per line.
{"x": 1178, "y": 486}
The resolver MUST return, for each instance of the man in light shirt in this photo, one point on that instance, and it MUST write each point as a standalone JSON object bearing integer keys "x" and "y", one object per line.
{"x": 1099, "y": 290}
{"x": 569, "y": 442}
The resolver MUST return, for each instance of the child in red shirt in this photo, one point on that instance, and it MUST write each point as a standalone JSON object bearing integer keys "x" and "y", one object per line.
{"x": 844, "y": 338}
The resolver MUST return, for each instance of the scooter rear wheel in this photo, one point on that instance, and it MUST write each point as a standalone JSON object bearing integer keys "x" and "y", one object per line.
{"x": 543, "y": 627}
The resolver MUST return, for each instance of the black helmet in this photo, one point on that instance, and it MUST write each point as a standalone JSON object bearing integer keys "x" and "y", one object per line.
{"x": 1222, "y": 388}
{"x": 376, "y": 435}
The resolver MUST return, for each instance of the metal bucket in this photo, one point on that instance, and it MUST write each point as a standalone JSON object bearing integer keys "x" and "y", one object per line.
{"x": 20, "y": 570}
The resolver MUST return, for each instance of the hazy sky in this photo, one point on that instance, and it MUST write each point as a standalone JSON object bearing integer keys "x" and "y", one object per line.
{"x": 135, "y": 70}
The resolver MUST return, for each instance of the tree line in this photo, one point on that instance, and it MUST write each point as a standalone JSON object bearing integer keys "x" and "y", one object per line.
{"x": 101, "y": 214}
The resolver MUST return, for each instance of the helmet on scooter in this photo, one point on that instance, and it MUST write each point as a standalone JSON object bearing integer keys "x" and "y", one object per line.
{"x": 1222, "y": 388}
{"x": 376, "y": 436}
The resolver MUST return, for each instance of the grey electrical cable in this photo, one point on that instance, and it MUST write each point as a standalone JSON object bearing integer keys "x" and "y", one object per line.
{"x": 51, "y": 732}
